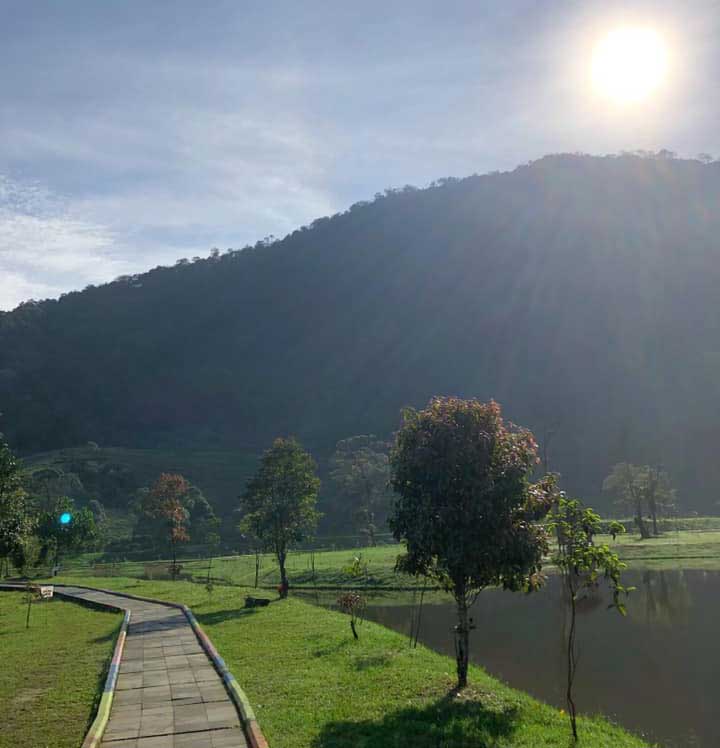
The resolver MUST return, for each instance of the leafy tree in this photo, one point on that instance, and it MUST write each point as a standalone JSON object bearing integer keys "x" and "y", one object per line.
{"x": 204, "y": 524}
{"x": 16, "y": 521}
{"x": 360, "y": 469}
{"x": 166, "y": 501}
{"x": 196, "y": 515}
{"x": 49, "y": 483}
{"x": 353, "y": 602}
{"x": 616, "y": 528}
{"x": 584, "y": 566}
{"x": 58, "y": 538}
{"x": 279, "y": 504}
{"x": 467, "y": 509}
{"x": 639, "y": 488}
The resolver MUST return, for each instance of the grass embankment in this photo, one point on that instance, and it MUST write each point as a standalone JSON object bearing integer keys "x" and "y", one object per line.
{"x": 687, "y": 549}
{"x": 313, "y": 686}
{"x": 52, "y": 673}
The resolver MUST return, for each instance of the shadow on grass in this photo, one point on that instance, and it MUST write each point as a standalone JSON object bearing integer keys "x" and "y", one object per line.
{"x": 330, "y": 649}
{"x": 220, "y": 616}
{"x": 105, "y": 638}
{"x": 368, "y": 662}
{"x": 447, "y": 723}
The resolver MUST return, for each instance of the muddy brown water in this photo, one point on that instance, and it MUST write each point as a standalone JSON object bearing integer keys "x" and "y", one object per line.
{"x": 656, "y": 672}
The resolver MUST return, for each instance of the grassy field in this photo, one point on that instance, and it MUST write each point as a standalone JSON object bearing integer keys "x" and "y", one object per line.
{"x": 689, "y": 549}
{"x": 52, "y": 673}
{"x": 313, "y": 686}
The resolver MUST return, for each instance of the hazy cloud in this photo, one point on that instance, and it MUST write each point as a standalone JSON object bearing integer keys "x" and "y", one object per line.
{"x": 133, "y": 133}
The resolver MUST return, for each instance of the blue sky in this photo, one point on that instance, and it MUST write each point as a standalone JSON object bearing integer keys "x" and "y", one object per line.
{"x": 135, "y": 133}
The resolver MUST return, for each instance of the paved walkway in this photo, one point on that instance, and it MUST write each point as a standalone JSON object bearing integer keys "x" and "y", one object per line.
{"x": 168, "y": 694}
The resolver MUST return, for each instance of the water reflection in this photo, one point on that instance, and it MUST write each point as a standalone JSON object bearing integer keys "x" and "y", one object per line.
{"x": 655, "y": 672}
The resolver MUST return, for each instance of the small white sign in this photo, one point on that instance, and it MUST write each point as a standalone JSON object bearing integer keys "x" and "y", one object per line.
{"x": 46, "y": 591}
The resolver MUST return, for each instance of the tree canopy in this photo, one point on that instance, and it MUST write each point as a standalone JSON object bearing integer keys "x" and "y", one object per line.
{"x": 279, "y": 504}
{"x": 466, "y": 509}
{"x": 360, "y": 470}
{"x": 16, "y": 520}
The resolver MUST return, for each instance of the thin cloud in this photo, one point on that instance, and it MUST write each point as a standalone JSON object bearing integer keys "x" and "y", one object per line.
{"x": 45, "y": 248}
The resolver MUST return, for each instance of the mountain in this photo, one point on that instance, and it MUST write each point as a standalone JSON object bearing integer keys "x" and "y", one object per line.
{"x": 580, "y": 292}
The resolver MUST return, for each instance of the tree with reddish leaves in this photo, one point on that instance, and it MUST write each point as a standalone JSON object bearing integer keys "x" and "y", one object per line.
{"x": 467, "y": 510}
{"x": 166, "y": 501}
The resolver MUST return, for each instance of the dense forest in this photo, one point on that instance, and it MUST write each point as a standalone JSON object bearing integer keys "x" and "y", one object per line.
{"x": 580, "y": 292}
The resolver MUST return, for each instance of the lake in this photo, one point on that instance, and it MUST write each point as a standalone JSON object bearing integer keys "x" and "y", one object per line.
{"x": 655, "y": 672}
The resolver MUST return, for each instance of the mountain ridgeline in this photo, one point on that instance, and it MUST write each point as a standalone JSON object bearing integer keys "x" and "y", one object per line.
{"x": 582, "y": 293}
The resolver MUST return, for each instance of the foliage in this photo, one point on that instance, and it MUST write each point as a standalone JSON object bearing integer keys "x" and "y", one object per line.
{"x": 167, "y": 501}
{"x": 278, "y": 506}
{"x": 48, "y": 484}
{"x": 467, "y": 510}
{"x": 57, "y": 539}
{"x": 616, "y": 528}
{"x": 353, "y": 603}
{"x": 360, "y": 470}
{"x": 16, "y": 520}
{"x": 584, "y": 565}
{"x": 639, "y": 488}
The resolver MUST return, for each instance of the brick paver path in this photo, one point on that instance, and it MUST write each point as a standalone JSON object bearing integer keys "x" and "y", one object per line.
{"x": 168, "y": 693}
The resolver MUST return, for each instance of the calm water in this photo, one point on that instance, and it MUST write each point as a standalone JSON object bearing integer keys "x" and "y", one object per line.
{"x": 656, "y": 672}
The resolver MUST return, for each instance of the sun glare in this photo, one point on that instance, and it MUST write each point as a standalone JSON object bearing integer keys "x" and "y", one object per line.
{"x": 629, "y": 64}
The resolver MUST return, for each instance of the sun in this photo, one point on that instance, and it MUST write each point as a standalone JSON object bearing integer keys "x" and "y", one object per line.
{"x": 629, "y": 64}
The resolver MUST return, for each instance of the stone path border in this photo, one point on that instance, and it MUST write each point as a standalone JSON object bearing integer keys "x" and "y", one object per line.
{"x": 97, "y": 729}
{"x": 253, "y": 734}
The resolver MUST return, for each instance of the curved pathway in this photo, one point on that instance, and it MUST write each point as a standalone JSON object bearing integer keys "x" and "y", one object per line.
{"x": 168, "y": 693}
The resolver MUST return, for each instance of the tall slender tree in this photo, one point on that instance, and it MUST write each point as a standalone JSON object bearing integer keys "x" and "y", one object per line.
{"x": 166, "y": 501}
{"x": 583, "y": 566}
{"x": 279, "y": 504}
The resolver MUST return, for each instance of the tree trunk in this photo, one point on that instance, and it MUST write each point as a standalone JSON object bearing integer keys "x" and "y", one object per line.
{"x": 571, "y": 664}
{"x": 653, "y": 514}
{"x": 257, "y": 569}
{"x": 284, "y": 585}
{"x": 462, "y": 642}
{"x": 419, "y": 617}
{"x": 29, "y": 602}
{"x": 640, "y": 522}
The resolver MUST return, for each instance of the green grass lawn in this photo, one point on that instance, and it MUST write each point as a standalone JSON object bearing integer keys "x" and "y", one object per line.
{"x": 697, "y": 549}
{"x": 52, "y": 673}
{"x": 313, "y": 686}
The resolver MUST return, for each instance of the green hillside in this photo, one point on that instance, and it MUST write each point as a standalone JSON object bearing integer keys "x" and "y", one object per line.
{"x": 221, "y": 474}
{"x": 592, "y": 317}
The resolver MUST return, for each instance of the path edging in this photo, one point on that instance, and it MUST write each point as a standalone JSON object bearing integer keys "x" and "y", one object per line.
{"x": 97, "y": 729}
{"x": 254, "y": 734}
{"x": 252, "y": 729}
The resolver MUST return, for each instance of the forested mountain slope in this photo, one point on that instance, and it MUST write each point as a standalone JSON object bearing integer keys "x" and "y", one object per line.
{"x": 581, "y": 292}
